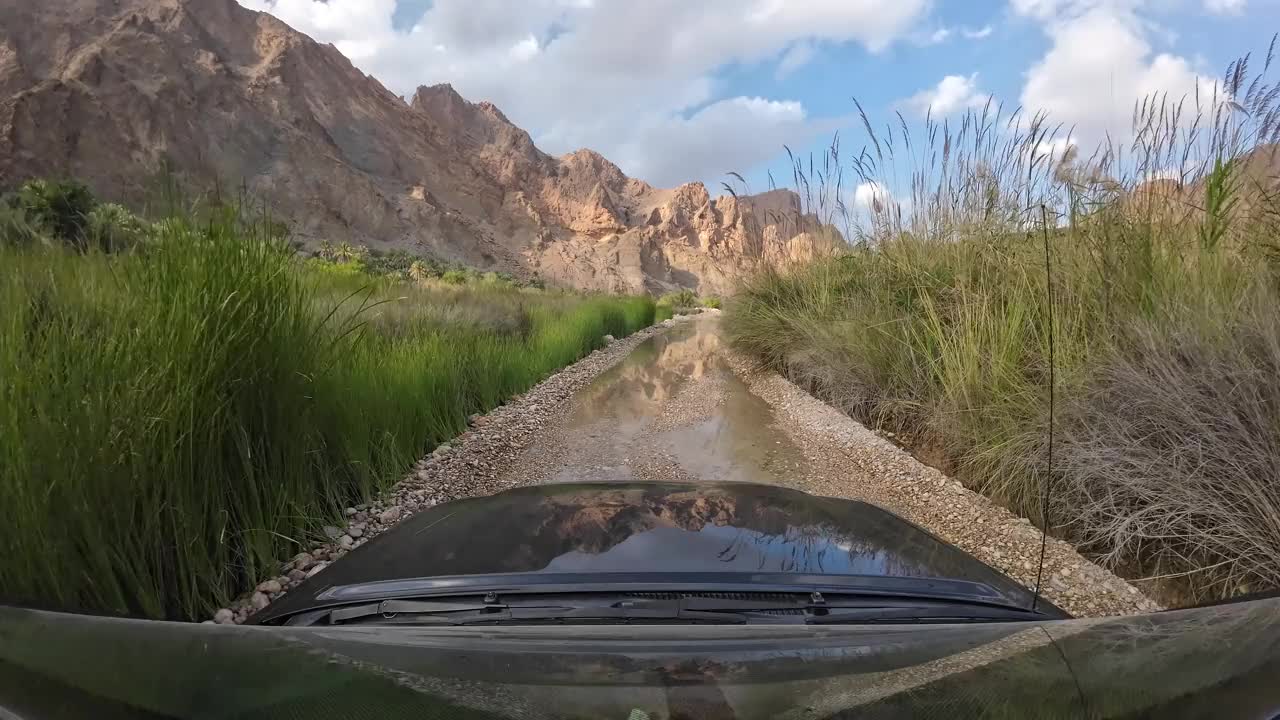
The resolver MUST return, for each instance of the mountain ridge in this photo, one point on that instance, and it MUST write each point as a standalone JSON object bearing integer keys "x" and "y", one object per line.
{"x": 108, "y": 91}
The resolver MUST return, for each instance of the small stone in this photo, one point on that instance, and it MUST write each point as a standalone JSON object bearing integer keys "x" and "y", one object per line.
{"x": 259, "y": 601}
{"x": 473, "y": 418}
{"x": 208, "y": 622}
{"x": 441, "y": 450}
{"x": 332, "y": 532}
{"x": 224, "y": 616}
{"x": 316, "y": 568}
{"x": 609, "y": 339}
{"x": 390, "y": 516}
{"x": 361, "y": 516}
{"x": 269, "y": 587}
{"x": 346, "y": 541}
{"x": 351, "y": 511}
{"x": 297, "y": 576}
{"x": 355, "y": 532}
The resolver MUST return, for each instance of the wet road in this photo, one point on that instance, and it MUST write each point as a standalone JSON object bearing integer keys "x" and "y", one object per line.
{"x": 672, "y": 410}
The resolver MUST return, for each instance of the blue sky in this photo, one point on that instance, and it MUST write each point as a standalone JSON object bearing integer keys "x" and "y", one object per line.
{"x": 679, "y": 90}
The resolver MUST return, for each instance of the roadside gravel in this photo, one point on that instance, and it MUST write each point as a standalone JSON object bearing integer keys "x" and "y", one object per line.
{"x": 471, "y": 464}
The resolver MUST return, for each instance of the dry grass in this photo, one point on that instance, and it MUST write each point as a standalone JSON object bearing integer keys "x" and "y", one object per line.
{"x": 935, "y": 323}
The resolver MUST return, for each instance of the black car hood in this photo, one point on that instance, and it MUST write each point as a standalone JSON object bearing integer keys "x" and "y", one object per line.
{"x": 612, "y": 530}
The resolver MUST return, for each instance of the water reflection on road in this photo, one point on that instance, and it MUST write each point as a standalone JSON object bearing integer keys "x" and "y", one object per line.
{"x": 674, "y": 410}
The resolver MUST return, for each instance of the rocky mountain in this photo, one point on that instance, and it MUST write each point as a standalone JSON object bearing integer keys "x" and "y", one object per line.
{"x": 111, "y": 91}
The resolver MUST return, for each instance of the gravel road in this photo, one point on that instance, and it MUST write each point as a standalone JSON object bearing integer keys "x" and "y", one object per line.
{"x": 672, "y": 403}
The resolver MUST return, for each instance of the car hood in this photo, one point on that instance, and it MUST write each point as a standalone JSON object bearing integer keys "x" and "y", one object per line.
{"x": 648, "y": 530}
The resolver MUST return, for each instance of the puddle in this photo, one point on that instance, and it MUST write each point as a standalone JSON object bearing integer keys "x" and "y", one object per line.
{"x": 674, "y": 410}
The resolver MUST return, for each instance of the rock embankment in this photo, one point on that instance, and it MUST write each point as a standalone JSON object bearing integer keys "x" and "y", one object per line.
{"x": 470, "y": 464}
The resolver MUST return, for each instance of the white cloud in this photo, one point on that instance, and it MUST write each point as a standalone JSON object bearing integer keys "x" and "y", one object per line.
{"x": 952, "y": 93}
{"x": 1055, "y": 149}
{"x": 1099, "y": 63}
{"x": 796, "y": 57}
{"x": 943, "y": 34}
{"x": 729, "y": 135}
{"x": 873, "y": 197}
{"x": 1225, "y": 7}
{"x": 603, "y": 74}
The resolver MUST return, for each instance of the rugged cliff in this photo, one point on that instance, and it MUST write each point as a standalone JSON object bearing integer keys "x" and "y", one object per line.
{"x": 111, "y": 91}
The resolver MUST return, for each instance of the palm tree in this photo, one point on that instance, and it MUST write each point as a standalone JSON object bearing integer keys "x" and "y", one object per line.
{"x": 418, "y": 271}
{"x": 344, "y": 253}
{"x": 328, "y": 252}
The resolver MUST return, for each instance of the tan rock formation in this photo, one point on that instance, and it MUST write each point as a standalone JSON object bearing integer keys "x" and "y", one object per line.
{"x": 111, "y": 91}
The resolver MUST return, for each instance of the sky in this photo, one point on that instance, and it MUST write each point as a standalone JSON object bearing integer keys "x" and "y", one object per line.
{"x": 689, "y": 90}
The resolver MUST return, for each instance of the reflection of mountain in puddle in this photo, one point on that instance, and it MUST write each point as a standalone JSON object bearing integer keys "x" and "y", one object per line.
{"x": 675, "y": 403}
{"x": 667, "y": 549}
{"x": 687, "y": 531}
{"x": 651, "y": 375}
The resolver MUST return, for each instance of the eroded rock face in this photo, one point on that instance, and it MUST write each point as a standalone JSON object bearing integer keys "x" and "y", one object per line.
{"x": 111, "y": 91}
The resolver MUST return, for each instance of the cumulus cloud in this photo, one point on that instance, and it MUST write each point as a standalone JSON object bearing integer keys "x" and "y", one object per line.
{"x": 1100, "y": 61}
{"x": 952, "y": 93}
{"x": 727, "y": 135}
{"x": 604, "y": 73}
{"x": 944, "y": 33}
{"x": 873, "y": 197}
{"x": 796, "y": 57}
{"x": 1225, "y": 7}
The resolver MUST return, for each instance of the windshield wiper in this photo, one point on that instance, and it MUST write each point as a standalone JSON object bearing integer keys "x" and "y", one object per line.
{"x": 612, "y": 608}
{"x": 415, "y": 612}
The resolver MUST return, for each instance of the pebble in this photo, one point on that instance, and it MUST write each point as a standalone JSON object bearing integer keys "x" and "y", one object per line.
{"x": 259, "y": 601}
{"x": 332, "y": 532}
{"x": 316, "y": 568}
{"x": 269, "y": 587}
{"x": 224, "y": 616}
{"x": 390, "y": 516}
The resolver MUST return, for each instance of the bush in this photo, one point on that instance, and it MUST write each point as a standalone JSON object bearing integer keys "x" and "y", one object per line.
{"x": 59, "y": 209}
{"x": 712, "y": 302}
{"x": 112, "y": 228}
{"x": 454, "y": 277}
{"x": 680, "y": 299}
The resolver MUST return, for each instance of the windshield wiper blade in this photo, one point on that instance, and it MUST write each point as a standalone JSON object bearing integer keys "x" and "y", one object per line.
{"x": 907, "y": 615}
{"x": 409, "y": 612}
{"x": 812, "y": 609}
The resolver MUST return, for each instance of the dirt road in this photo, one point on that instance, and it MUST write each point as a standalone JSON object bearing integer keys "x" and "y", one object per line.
{"x": 673, "y": 403}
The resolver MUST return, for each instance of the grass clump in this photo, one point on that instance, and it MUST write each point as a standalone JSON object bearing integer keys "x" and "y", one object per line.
{"x": 177, "y": 419}
{"x": 935, "y": 324}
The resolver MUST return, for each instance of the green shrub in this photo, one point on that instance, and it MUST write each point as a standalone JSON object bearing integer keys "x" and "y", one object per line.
{"x": 59, "y": 209}
{"x": 680, "y": 299}
{"x": 711, "y": 302}
{"x": 454, "y": 277}
{"x": 112, "y": 228}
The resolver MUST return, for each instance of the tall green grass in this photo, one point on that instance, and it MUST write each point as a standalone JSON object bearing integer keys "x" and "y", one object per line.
{"x": 935, "y": 324}
{"x": 176, "y": 419}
